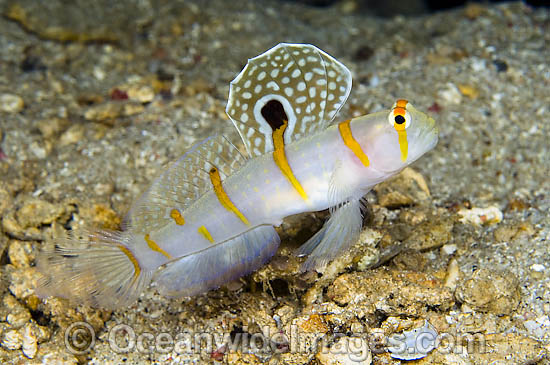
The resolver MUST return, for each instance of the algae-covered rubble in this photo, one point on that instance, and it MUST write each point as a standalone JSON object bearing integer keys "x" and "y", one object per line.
{"x": 93, "y": 107}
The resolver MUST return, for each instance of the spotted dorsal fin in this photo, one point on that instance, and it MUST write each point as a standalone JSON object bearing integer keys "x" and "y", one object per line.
{"x": 294, "y": 83}
{"x": 182, "y": 183}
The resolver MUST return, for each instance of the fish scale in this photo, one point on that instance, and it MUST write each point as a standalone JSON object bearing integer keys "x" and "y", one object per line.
{"x": 209, "y": 217}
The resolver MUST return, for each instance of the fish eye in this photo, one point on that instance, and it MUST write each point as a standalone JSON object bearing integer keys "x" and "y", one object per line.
{"x": 399, "y": 117}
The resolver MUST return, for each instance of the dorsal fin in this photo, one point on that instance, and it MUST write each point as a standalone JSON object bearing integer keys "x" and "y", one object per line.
{"x": 296, "y": 82}
{"x": 183, "y": 182}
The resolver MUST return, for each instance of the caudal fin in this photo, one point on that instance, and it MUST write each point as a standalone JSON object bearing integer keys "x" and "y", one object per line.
{"x": 96, "y": 269}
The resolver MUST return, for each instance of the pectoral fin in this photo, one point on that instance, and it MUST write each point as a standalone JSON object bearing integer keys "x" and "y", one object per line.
{"x": 340, "y": 232}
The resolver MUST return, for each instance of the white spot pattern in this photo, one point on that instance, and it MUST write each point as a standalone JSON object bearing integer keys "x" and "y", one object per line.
{"x": 310, "y": 84}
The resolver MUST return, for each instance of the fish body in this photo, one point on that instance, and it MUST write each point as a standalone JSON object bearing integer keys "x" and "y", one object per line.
{"x": 209, "y": 217}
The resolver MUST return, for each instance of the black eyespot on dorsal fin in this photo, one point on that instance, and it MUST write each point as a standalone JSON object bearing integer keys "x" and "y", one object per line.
{"x": 274, "y": 113}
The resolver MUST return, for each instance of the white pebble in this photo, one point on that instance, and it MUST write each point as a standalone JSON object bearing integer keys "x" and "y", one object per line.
{"x": 11, "y": 103}
{"x": 449, "y": 249}
{"x": 30, "y": 343}
{"x": 480, "y": 216}
{"x": 11, "y": 340}
{"x": 450, "y": 95}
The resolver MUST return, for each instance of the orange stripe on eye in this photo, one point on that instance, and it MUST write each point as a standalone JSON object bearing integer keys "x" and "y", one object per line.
{"x": 398, "y": 111}
{"x": 400, "y": 107}
{"x": 351, "y": 143}
{"x": 401, "y": 103}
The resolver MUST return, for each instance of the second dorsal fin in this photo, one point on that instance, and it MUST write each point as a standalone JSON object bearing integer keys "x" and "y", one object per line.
{"x": 182, "y": 183}
{"x": 295, "y": 85}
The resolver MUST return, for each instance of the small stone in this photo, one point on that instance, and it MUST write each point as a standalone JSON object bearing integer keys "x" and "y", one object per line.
{"x": 42, "y": 333}
{"x": 99, "y": 73}
{"x": 448, "y": 249}
{"x": 405, "y": 189}
{"x": 11, "y": 103}
{"x": 105, "y": 112}
{"x": 100, "y": 216}
{"x": 72, "y": 135}
{"x": 132, "y": 109}
{"x": 12, "y": 340}
{"x": 36, "y": 212}
{"x": 490, "y": 291}
{"x": 469, "y": 91}
{"x": 17, "y": 315}
{"x": 40, "y": 150}
{"x": 30, "y": 342}
{"x": 22, "y": 281}
{"x": 450, "y": 95}
{"x": 19, "y": 253}
{"x": 410, "y": 260}
{"x": 432, "y": 233}
{"x": 52, "y": 126}
{"x": 314, "y": 324}
{"x": 480, "y": 216}
{"x": 141, "y": 93}
{"x": 538, "y": 267}
{"x": 13, "y": 229}
{"x": 453, "y": 275}
{"x": 369, "y": 239}
{"x": 346, "y": 351}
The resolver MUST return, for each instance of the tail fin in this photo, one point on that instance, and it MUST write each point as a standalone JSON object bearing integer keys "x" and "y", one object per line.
{"x": 97, "y": 269}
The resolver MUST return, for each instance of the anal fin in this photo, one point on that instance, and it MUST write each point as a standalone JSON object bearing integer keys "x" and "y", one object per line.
{"x": 208, "y": 269}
